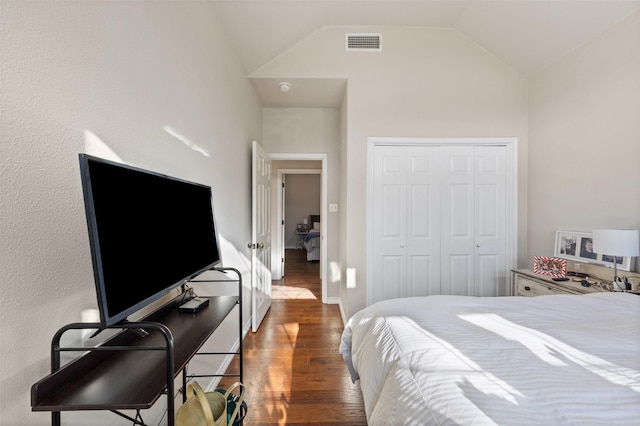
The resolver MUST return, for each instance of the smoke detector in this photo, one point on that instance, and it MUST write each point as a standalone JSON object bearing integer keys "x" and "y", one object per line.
{"x": 284, "y": 86}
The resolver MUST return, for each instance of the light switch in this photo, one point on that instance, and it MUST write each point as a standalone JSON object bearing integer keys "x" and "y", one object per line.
{"x": 333, "y": 207}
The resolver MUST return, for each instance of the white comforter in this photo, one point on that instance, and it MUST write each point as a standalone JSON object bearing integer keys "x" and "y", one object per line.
{"x": 547, "y": 360}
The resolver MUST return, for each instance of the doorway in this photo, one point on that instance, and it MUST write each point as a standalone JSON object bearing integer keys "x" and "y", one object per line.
{"x": 301, "y": 203}
{"x": 298, "y": 164}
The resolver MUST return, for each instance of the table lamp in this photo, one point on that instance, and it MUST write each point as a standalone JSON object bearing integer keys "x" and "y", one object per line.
{"x": 617, "y": 243}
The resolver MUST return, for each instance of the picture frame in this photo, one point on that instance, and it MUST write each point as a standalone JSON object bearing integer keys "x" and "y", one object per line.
{"x": 577, "y": 246}
{"x": 552, "y": 266}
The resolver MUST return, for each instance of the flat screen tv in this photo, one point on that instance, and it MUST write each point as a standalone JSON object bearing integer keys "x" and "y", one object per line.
{"x": 149, "y": 233}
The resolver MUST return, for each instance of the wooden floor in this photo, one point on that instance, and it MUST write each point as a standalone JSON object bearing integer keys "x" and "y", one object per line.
{"x": 293, "y": 372}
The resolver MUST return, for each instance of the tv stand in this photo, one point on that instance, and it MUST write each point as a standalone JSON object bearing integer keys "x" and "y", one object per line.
{"x": 126, "y": 371}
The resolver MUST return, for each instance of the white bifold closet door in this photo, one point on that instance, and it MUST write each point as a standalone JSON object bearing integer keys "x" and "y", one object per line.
{"x": 438, "y": 221}
{"x": 406, "y": 217}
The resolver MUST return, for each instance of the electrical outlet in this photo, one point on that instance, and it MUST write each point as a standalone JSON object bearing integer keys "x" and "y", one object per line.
{"x": 333, "y": 207}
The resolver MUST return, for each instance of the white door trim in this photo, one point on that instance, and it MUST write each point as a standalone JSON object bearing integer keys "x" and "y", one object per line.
{"x": 324, "y": 210}
{"x": 511, "y": 163}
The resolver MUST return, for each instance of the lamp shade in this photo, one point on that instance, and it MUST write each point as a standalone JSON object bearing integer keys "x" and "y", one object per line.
{"x": 617, "y": 242}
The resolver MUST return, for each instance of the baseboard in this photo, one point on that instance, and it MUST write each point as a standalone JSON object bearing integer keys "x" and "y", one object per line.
{"x": 342, "y": 313}
{"x": 246, "y": 327}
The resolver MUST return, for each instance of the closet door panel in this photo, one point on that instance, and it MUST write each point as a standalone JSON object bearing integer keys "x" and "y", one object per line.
{"x": 423, "y": 220}
{"x": 459, "y": 215}
{"x": 490, "y": 193}
{"x": 457, "y": 244}
{"x": 389, "y": 223}
{"x": 419, "y": 278}
{"x": 487, "y": 220}
{"x": 419, "y": 220}
{"x": 490, "y": 223}
{"x": 392, "y": 213}
{"x": 392, "y": 280}
{"x": 460, "y": 277}
{"x": 485, "y": 278}
{"x": 457, "y": 191}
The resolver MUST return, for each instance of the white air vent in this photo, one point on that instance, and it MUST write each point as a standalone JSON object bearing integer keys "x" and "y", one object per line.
{"x": 364, "y": 42}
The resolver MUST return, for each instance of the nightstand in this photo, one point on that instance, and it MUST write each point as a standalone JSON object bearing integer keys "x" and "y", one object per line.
{"x": 528, "y": 283}
{"x": 301, "y": 233}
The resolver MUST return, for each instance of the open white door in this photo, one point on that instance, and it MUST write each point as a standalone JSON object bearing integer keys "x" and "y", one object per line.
{"x": 260, "y": 236}
{"x": 282, "y": 222}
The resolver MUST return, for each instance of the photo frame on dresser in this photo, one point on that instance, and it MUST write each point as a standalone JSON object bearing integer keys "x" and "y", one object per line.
{"x": 578, "y": 246}
{"x": 552, "y": 266}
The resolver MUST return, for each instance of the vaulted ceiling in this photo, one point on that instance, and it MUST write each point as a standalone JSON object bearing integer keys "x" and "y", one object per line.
{"x": 528, "y": 35}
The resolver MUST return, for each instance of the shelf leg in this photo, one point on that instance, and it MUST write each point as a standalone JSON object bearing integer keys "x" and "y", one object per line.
{"x": 184, "y": 385}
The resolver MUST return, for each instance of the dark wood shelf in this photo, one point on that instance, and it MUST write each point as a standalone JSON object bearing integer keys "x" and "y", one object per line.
{"x": 130, "y": 379}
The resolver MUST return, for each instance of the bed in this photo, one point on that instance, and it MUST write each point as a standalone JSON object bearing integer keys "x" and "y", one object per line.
{"x": 312, "y": 239}
{"x": 547, "y": 360}
{"x": 312, "y": 245}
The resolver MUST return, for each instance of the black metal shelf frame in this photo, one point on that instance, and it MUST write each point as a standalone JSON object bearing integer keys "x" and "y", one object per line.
{"x": 56, "y": 350}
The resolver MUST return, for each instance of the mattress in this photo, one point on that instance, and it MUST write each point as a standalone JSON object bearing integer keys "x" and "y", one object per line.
{"x": 458, "y": 360}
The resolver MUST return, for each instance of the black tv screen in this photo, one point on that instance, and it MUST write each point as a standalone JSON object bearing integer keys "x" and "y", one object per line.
{"x": 149, "y": 233}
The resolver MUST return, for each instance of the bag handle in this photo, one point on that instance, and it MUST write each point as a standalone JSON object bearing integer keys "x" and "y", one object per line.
{"x": 194, "y": 389}
{"x": 238, "y": 403}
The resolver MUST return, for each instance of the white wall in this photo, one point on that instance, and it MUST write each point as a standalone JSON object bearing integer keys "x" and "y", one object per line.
{"x": 424, "y": 83}
{"x": 584, "y": 140}
{"x": 104, "y": 78}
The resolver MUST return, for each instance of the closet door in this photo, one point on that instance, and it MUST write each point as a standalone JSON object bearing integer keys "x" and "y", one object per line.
{"x": 473, "y": 220}
{"x": 422, "y": 217}
{"x": 389, "y": 270}
{"x": 439, "y": 221}
{"x": 457, "y": 246}
{"x": 406, "y": 257}
{"x": 490, "y": 221}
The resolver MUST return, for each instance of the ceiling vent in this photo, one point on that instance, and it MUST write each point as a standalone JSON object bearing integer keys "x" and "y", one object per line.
{"x": 364, "y": 42}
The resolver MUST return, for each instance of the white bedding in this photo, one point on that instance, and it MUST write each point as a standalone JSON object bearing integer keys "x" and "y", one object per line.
{"x": 547, "y": 360}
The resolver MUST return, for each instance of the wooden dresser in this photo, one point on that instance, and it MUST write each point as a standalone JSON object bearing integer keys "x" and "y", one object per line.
{"x": 528, "y": 283}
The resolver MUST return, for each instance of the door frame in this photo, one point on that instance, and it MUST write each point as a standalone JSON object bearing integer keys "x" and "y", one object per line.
{"x": 324, "y": 210}
{"x": 511, "y": 190}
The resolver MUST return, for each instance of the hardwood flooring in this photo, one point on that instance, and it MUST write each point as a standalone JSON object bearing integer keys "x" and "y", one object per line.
{"x": 293, "y": 372}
